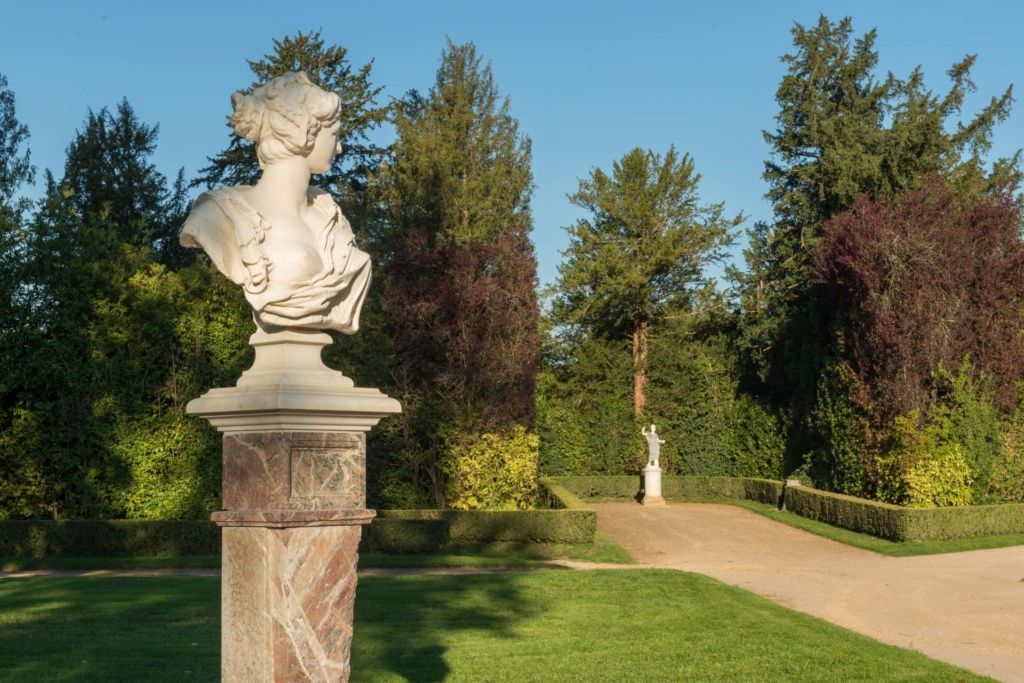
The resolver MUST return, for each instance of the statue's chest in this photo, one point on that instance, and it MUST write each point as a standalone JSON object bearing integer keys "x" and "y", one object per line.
{"x": 294, "y": 250}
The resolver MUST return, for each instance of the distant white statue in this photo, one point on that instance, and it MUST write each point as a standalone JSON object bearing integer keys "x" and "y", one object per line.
{"x": 286, "y": 243}
{"x": 653, "y": 446}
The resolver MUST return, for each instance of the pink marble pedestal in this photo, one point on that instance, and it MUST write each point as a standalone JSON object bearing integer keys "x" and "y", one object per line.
{"x": 294, "y": 505}
{"x": 294, "y": 495}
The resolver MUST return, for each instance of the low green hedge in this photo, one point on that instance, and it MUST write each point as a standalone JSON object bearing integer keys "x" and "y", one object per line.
{"x": 520, "y": 526}
{"x": 673, "y": 487}
{"x": 568, "y": 520}
{"x": 106, "y": 538}
{"x": 404, "y": 536}
{"x": 901, "y": 523}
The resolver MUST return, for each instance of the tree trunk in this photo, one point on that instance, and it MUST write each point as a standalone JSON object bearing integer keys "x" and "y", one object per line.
{"x": 640, "y": 333}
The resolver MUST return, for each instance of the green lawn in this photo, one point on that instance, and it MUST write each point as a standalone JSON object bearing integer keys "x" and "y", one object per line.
{"x": 594, "y": 626}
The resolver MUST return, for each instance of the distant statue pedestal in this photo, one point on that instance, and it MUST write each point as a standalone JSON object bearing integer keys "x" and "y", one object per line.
{"x": 652, "y": 486}
{"x": 294, "y": 496}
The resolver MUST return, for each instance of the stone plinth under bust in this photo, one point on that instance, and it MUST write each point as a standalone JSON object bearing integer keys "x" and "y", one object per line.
{"x": 294, "y": 496}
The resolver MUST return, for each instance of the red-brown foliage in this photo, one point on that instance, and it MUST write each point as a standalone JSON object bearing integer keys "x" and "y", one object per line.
{"x": 466, "y": 319}
{"x": 925, "y": 280}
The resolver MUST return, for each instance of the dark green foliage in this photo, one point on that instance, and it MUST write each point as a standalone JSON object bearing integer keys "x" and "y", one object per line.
{"x": 108, "y": 538}
{"x": 587, "y": 424}
{"x": 754, "y": 443}
{"x": 585, "y": 416}
{"x": 639, "y": 257}
{"x": 106, "y": 344}
{"x": 519, "y": 526}
{"x": 113, "y": 187}
{"x": 404, "y": 536}
{"x": 460, "y": 167}
{"x": 905, "y": 524}
{"x": 842, "y": 459}
{"x": 966, "y": 414}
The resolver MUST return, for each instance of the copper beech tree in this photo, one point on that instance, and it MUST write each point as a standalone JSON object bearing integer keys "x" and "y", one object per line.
{"x": 925, "y": 281}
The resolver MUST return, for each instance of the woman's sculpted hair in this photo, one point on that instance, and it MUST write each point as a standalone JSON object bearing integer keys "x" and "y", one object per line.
{"x": 283, "y": 116}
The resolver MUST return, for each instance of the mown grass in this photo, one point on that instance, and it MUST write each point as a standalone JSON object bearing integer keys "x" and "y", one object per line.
{"x": 875, "y": 544}
{"x": 594, "y": 626}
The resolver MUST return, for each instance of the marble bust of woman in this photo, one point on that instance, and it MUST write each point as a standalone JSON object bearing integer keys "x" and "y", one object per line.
{"x": 286, "y": 243}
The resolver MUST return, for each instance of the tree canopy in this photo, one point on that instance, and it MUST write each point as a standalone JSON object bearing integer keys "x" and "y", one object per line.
{"x": 643, "y": 252}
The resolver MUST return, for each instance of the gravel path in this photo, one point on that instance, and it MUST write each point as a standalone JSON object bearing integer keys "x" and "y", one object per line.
{"x": 963, "y": 608}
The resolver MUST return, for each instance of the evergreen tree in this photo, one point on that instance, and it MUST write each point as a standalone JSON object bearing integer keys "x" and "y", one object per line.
{"x": 460, "y": 278}
{"x": 112, "y": 182}
{"x": 329, "y": 68}
{"x": 642, "y": 254}
{"x": 461, "y": 167}
{"x": 15, "y": 171}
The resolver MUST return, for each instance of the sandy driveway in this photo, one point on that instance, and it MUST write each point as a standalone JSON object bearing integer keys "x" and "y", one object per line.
{"x": 963, "y": 608}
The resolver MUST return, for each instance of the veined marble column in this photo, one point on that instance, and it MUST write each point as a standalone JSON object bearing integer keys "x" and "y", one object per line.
{"x": 294, "y": 495}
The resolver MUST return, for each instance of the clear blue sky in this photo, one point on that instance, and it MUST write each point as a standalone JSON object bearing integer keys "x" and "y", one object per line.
{"x": 588, "y": 81}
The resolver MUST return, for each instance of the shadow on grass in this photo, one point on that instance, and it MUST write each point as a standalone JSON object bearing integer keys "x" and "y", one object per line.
{"x": 402, "y": 622}
{"x": 103, "y": 629}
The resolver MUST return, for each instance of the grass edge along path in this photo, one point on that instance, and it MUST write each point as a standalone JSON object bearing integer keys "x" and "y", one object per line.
{"x": 596, "y": 626}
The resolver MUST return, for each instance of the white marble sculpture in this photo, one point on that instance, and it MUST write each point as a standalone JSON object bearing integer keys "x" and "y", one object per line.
{"x": 653, "y": 446}
{"x": 652, "y": 472}
{"x": 286, "y": 243}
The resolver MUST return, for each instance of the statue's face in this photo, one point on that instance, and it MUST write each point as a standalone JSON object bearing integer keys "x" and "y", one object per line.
{"x": 326, "y": 145}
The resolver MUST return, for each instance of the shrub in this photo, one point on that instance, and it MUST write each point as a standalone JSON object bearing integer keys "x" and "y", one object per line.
{"x": 843, "y": 458}
{"x": 754, "y": 444}
{"x": 672, "y": 487}
{"x": 923, "y": 468}
{"x": 1007, "y": 483}
{"x": 966, "y": 413}
{"x": 491, "y": 471}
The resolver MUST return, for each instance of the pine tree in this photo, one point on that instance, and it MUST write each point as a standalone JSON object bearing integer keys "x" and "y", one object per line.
{"x": 642, "y": 254}
{"x": 112, "y": 182}
{"x": 461, "y": 167}
{"x": 15, "y": 171}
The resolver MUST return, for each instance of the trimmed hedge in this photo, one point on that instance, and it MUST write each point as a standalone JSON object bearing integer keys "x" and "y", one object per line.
{"x": 404, "y": 536}
{"x": 902, "y": 523}
{"x": 108, "y": 538}
{"x": 514, "y": 526}
{"x": 674, "y": 487}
